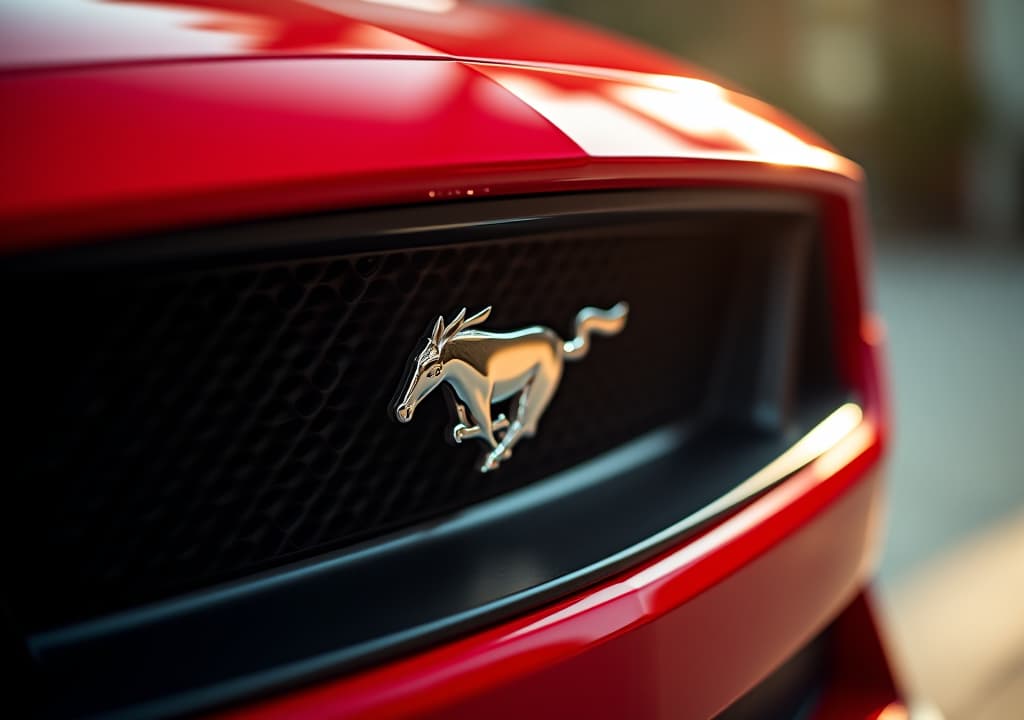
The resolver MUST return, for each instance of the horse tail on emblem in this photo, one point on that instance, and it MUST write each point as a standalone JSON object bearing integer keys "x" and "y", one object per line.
{"x": 591, "y": 320}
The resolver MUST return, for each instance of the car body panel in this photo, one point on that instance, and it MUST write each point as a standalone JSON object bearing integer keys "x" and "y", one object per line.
{"x": 79, "y": 32}
{"x": 137, "y": 145}
{"x": 158, "y": 147}
{"x": 133, "y": 118}
{"x": 177, "y": 139}
{"x": 681, "y": 636}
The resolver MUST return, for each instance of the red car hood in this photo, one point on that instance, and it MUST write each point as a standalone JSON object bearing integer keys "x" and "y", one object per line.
{"x": 129, "y": 117}
{"x": 72, "y": 32}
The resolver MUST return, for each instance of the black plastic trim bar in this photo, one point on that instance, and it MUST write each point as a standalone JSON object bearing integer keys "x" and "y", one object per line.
{"x": 401, "y": 228}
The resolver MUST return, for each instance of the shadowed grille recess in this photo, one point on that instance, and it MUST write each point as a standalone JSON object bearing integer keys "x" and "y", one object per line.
{"x": 183, "y": 425}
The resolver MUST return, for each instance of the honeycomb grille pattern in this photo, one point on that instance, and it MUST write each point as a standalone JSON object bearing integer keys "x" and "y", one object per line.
{"x": 182, "y": 427}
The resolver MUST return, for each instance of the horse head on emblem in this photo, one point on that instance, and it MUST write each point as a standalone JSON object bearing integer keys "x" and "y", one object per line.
{"x": 523, "y": 367}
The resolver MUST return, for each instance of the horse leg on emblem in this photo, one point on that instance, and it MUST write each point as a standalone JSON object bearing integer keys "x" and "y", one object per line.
{"x": 527, "y": 410}
{"x": 466, "y": 430}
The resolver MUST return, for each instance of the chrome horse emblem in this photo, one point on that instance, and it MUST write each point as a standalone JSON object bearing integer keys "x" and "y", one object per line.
{"x": 483, "y": 368}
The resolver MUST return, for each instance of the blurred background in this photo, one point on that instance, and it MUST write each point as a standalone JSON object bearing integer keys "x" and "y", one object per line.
{"x": 928, "y": 95}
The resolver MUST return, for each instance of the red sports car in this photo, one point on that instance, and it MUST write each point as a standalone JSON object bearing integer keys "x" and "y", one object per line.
{"x": 412, "y": 358}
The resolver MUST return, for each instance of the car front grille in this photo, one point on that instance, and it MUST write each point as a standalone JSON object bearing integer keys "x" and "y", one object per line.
{"x": 183, "y": 423}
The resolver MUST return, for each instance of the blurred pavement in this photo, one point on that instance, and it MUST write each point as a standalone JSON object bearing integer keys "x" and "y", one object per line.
{"x": 952, "y": 576}
{"x": 956, "y": 625}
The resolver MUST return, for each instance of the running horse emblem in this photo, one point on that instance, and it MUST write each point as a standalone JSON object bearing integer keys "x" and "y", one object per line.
{"x": 483, "y": 368}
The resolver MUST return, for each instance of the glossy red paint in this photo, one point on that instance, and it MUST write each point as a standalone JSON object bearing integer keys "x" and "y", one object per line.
{"x": 230, "y": 112}
{"x": 179, "y": 142}
{"x": 861, "y": 684}
{"x": 77, "y": 32}
{"x": 150, "y": 143}
{"x": 164, "y": 146}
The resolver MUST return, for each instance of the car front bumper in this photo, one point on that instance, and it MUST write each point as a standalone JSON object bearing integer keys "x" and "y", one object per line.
{"x": 684, "y": 635}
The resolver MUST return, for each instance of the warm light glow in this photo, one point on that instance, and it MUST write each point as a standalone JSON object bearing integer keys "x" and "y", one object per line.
{"x": 895, "y": 711}
{"x": 859, "y": 440}
{"x": 872, "y": 329}
{"x": 600, "y": 127}
{"x": 431, "y": 6}
{"x": 629, "y": 114}
{"x": 825, "y": 436}
{"x": 704, "y": 110}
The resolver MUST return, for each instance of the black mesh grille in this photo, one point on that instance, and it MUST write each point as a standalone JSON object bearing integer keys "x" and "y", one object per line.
{"x": 179, "y": 427}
